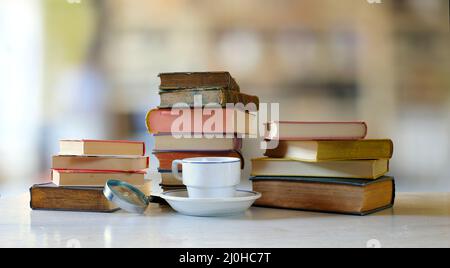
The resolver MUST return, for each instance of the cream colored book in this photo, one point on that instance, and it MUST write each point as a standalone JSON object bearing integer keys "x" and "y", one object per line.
{"x": 94, "y": 178}
{"x": 361, "y": 169}
{"x": 101, "y": 147}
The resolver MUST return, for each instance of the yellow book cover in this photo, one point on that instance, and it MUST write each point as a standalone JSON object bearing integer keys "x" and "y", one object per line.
{"x": 328, "y": 150}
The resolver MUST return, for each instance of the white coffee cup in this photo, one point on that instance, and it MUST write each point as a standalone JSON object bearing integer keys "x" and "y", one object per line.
{"x": 209, "y": 177}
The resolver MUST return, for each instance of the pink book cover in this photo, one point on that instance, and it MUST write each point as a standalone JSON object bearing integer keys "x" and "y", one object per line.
{"x": 325, "y": 136}
{"x": 160, "y": 121}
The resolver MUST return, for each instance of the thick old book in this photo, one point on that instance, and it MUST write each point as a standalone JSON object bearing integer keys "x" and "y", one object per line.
{"x": 88, "y": 199}
{"x": 95, "y": 178}
{"x": 348, "y": 196}
{"x": 365, "y": 169}
{"x": 48, "y": 196}
{"x": 165, "y": 158}
{"x": 105, "y": 163}
{"x": 332, "y": 150}
{"x": 226, "y": 121}
{"x": 101, "y": 147}
{"x": 186, "y": 80}
{"x": 298, "y": 130}
{"x": 219, "y": 96}
{"x": 170, "y": 143}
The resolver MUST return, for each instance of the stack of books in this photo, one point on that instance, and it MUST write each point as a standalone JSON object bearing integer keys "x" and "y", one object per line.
{"x": 81, "y": 170}
{"x": 184, "y": 128}
{"x": 324, "y": 166}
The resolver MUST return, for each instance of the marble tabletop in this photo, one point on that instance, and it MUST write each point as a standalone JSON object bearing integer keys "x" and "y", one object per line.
{"x": 417, "y": 220}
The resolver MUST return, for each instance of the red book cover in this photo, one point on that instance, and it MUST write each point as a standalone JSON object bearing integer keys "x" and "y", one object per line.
{"x": 166, "y": 158}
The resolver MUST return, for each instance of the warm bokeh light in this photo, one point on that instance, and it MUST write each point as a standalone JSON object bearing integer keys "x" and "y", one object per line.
{"x": 88, "y": 69}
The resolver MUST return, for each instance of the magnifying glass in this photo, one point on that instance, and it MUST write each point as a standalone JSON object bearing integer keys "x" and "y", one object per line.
{"x": 126, "y": 196}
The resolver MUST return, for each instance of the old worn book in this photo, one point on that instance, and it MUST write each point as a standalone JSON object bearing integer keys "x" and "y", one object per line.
{"x": 223, "y": 121}
{"x": 219, "y": 96}
{"x": 89, "y": 199}
{"x": 332, "y": 150}
{"x": 349, "y": 196}
{"x": 170, "y": 143}
{"x": 300, "y": 130}
{"x": 165, "y": 158}
{"x": 166, "y": 188}
{"x": 94, "y": 177}
{"x": 365, "y": 169}
{"x": 184, "y": 80}
{"x": 48, "y": 196}
{"x": 168, "y": 179}
{"x": 108, "y": 163}
{"x": 101, "y": 147}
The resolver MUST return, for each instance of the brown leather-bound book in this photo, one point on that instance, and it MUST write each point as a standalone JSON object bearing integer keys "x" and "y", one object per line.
{"x": 88, "y": 199}
{"x": 347, "y": 196}
{"x": 48, "y": 196}
{"x": 184, "y": 80}
{"x": 220, "y": 96}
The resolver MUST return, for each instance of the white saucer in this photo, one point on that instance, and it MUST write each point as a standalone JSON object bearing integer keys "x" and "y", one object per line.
{"x": 210, "y": 207}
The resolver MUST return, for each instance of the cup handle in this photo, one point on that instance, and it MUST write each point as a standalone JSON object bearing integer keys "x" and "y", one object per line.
{"x": 175, "y": 164}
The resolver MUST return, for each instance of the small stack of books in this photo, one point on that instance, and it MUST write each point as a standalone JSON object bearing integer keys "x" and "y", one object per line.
{"x": 184, "y": 128}
{"x": 81, "y": 170}
{"x": 324, "y": 166}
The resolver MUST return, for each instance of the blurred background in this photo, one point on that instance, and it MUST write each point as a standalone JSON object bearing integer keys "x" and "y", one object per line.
{"x": 88, "y": 69}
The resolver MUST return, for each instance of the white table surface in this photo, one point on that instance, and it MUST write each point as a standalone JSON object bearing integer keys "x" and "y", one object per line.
{"x": 417, "y": 220}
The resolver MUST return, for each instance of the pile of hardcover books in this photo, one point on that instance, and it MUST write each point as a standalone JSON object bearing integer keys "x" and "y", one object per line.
{"x": 324, "y": 166}
{"x": 197, "y": 117}
{"x": 81, "y": 170}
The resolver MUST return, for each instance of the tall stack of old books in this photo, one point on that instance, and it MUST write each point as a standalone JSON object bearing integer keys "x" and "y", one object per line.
{"x": 81, "y": 170}
{"x": 197, "y": 117}
{"x": 324, "y": 166}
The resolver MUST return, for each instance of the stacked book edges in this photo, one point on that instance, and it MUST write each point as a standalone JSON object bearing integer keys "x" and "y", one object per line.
{"x": 81, "y": 170}
{"x": 205, "y": 131}
{"x": 326, "y": 167}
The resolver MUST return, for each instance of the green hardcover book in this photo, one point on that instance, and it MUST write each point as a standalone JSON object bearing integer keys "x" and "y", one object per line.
{"x": 220, "y": 96}
{"x": 346, "y": 196}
